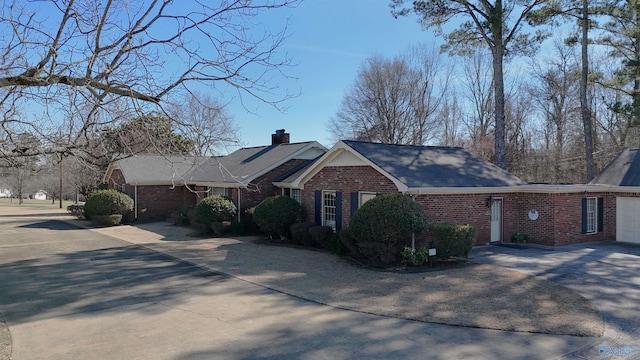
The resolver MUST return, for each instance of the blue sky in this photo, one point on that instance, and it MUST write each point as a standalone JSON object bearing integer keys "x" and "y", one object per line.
{"x": 329, "y": 41}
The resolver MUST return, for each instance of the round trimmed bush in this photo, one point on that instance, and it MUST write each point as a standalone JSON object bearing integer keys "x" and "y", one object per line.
{"x": 275, "y": 215}
{"x": 107, "y": 202}
{"x": 214, "y": 209}
{"x": 383, "y": 226}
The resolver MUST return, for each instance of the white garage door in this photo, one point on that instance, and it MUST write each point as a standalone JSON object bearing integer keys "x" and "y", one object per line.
{"x": 628, "y": 219}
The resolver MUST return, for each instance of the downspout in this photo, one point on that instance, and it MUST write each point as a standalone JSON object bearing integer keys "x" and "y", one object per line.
{"x": 135, "y": 201}
{"x": 413, "y": 233}
{"x": 239, "y": 211}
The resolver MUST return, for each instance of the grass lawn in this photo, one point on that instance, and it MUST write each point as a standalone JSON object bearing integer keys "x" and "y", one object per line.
{"x": 34, "y": 203}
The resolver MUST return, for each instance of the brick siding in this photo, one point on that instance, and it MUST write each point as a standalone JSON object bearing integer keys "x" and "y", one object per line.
{"x": 559, "y": 214}
{"x": 155, "y": 202}
{"x": 345, "y": 179}
{"x": 262, "y": 187}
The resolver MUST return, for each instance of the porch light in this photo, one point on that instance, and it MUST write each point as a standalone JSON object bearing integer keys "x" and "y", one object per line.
{"x": 489, "y": 201}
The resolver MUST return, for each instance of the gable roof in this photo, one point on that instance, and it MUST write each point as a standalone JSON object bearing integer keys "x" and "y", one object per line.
{"x": 416, "y": 168}
{"x": 241, "y": 167}
{"x": 155, "y": 169}
{"x": 624, "y": 170}
{"x": 237, "y": 169}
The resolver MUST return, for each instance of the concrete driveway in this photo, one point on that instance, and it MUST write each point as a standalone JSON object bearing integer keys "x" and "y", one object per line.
{"x": 69, "y": 293}
{"x": 607, "y": 273}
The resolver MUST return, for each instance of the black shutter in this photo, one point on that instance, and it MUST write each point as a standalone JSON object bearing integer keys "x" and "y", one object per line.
{"x": 338, "y": 210}
{"x": 600, "y": 214}
{"x": 287, "y": 192}
{"x": 584, "y": 215}
{"x": 318, "y": 207}
{"x": 354, "y": 203}
{"x": 229, "y": 192}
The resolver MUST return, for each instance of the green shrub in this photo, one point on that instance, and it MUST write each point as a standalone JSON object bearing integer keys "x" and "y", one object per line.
{"x": 76, "y": 210}
{"x": 321, "y": 235}
{"x": 247, "y": 220}
{"x": 300, "y": 233}
{"x": 415, "y": 257}
{"x": 238, "y": 228}
{"x": 452, "y": 239}
{"x": 107, "y": 220}
{"x": 220, "y": 227}
{"x": 275, "y": 215}
{"x": 108, "y": 202}
{"x": 335, "y": 244}
{"x": 180, "y": 217}
{"x": 215, "y": 209}
{"x": 347, "y": 242}
{"x": 383, "y": 226}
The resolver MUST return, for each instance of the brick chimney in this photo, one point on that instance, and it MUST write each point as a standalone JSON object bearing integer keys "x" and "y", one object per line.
{"x": 280, "y": 137}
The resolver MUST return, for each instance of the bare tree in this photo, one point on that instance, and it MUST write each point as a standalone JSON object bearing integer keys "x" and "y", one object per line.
{"x": 110, "y": 60}
{"x": 204, "y": 121}
{"x": 554, "y": 93}
{"x": 496, "y": 25}
{"x": 478, "y": 83}
{"x": 394, "y": 100}
{"x": 451, "y": 115}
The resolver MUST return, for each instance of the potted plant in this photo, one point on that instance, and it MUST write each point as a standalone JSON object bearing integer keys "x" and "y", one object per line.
{"x": 519, "y": 238}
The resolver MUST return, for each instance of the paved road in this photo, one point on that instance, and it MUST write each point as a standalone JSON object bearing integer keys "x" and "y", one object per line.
{"x": 69, "y": 293}
{"x": 607, "y": 273}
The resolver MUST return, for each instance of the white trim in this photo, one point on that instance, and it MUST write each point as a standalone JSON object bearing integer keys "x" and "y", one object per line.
{"x": 324, "y": 207}
{"x": 594, "y": 201}
{"x": 135, "y": 202}
{"x": 535, "y": 188}
{"x": 360, "y": 193}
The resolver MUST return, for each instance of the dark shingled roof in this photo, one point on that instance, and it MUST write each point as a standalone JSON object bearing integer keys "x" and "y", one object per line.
{"x": 434, "y": 166}
{"x": 624, "y": 170}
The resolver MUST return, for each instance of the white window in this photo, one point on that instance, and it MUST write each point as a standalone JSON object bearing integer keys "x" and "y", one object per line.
{"x": 364, "y": 197}
{"x": 224, "y": 192}
{"x": 292, "y": 193}
{"x": 592, "y": 215}
{"x": 295, "y": 195}
{"x": 329, "y": 208}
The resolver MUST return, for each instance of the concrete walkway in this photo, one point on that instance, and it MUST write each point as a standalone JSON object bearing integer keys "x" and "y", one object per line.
{"x": 69, "y": 293}
{"x": 607, "y": 273}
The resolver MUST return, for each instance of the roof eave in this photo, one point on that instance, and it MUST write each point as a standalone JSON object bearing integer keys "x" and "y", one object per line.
{"x": 526, "y": 188}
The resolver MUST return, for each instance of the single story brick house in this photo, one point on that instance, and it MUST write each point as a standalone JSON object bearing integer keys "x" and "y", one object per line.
{"x": 155, "y": 183}
{"x": 450, "y": 183}
{"x": 454, "y": 185}
{"x": 161, "y": 185}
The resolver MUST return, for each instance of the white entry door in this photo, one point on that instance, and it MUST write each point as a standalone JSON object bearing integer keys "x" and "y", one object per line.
{"x": 496, "y": 220}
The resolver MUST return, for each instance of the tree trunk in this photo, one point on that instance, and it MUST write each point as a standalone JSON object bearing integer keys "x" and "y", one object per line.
{"x": 498, "y": 82}
{"x": 584, "y": 104}
{"x": 635, "y": 105}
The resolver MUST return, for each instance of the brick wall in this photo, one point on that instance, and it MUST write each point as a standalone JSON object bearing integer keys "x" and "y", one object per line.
{"x": 262, "y": 187}
{"x": 470, "y": 209}
{"x": 516, "y": 207}
{"x": 345, "y": 179}
{"x": 157, "y": 202}
{"x": 559, "y": 215}
{"x": 559, "y": 218}
{"x": 460, "y": 209}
